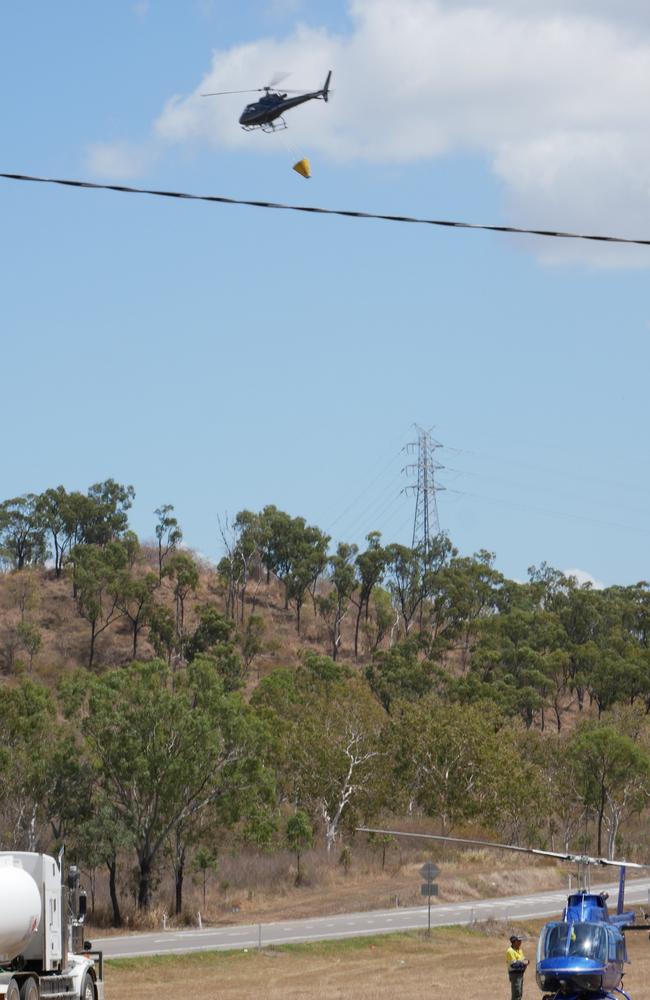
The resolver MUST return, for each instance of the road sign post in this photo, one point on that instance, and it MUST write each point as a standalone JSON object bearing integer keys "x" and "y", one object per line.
{"x": 429, "y": 888}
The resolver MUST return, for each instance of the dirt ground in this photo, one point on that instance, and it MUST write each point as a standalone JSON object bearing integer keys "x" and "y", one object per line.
{"x": 456, "y": 962}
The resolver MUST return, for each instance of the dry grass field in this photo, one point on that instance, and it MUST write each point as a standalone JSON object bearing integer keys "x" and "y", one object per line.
{"x": 455, "y": 963}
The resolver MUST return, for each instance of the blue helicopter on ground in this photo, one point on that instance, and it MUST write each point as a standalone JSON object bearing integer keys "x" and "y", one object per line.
{"x": 266, "y": 113}
{"x": 583, "y": 955}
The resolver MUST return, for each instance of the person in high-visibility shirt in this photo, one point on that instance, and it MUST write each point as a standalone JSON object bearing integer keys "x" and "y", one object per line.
{"x": 516, "y": 963}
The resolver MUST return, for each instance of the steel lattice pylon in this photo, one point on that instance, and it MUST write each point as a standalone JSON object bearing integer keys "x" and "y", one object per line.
{"x": 426, "y": 524}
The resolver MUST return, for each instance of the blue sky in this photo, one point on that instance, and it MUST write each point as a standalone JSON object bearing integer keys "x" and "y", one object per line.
{"x": 222, "y": 357}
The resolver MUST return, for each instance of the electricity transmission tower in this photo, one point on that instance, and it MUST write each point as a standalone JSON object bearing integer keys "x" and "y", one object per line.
{"x": 426, "y": 524}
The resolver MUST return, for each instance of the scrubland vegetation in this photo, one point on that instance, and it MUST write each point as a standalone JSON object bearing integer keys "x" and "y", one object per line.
{"x": 170, "y": 720}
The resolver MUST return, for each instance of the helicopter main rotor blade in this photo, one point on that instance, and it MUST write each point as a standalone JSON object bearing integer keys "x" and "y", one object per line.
{"x": 222, "y": 93}
{"x": 580, "y": 858}
{"x": 277, "y": 78}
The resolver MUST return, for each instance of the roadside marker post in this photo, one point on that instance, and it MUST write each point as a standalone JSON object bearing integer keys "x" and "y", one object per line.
{"x": 429, "y": 888}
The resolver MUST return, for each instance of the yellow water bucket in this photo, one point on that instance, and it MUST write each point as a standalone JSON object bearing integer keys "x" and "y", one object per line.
{"x": 303, "y": 167}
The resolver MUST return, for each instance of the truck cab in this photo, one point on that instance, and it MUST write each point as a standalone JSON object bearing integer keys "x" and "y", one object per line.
{"x": 42, "y": 948}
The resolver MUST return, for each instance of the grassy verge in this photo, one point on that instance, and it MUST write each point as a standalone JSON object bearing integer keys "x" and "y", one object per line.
{"x": 467, "y": 962}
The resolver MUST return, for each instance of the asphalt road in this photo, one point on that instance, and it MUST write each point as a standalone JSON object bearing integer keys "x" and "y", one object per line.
{"x": 234, "y": 936}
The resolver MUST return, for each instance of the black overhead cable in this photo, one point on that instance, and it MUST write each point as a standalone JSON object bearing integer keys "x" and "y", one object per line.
{"x": 124, "y": 189}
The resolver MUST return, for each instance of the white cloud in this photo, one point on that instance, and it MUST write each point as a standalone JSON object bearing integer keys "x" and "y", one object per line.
{"x": 583, "y": 577}
{"x": 551, "y": 94}
{"x": 120, "y": 160}
{"x": 141, "y": 8}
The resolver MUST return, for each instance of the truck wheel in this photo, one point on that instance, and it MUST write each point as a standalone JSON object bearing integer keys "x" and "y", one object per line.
{"x": 13, "y": 993}
{"x": 87, "y": 988}
{"x": 29, "y": 990}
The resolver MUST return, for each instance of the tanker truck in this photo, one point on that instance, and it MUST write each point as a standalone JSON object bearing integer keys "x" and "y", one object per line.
{"x": 42, "y": 948}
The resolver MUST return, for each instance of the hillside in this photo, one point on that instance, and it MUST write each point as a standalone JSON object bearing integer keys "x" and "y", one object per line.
{"x": 38, "y": 598}
{"x": 177, "y": 724}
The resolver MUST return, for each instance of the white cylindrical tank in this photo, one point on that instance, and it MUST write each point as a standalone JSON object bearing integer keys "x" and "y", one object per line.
{"x": 20, "y": 908}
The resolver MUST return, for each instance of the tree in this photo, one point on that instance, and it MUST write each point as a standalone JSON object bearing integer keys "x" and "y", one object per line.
{"x": 331, "y": 746}
{"x": 184, "y": 573}
{"x": 54, "y": 514}
{"x": 447, "y": 759}
{"x": 294, "y": 551}
{"x": 299, "y": 836}
{"x": 275, "y": 542}
{"x": 100, "y": 838}
{"x": 613, "y": 775}
{"x": 22, "y": 538}
{"x": 25, "y": 591}
{"x": 371, "y": 566}
{"x": 404, "y": 581}
{"x": 135, "y": 599}
{"x": 162, "y": 754}
{"x": 27, "y": 735}
{"x": 168, "y": 533}
{"x": 383, "y": 620}
{"x": 243, "y": 541}
{"x": 107, "y": 517}
{"x": 98, "y": 573}
{"x": 212, "y": 630}
{"x": 413, "y": 575}
{"x": 401, "y": 673}
{"x": 30, "y": 638}
{"x": 466, "y": 592}
{"x": 342, "y": 579}
{"x": 205, "y": 862}
{"x": 212, "y": 641}
{"x": 307, "y": 560}
{"x": 162, "y": 633}
{"x": 251, "y": 639}
{"x": 522, "y": 648}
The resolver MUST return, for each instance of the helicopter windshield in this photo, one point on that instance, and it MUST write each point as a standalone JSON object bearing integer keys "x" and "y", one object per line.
{"x": 584, "y": 940}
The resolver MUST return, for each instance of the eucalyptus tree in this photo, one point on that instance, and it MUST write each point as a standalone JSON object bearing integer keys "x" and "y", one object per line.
{"x": 168, "y": 534}
{"x": 22, "y": 536}
{"x": 329, "y": 742}
{"x": 447, "y": 760}
{"x": 243, "y": 542}
{"x": 612, "y": 773}
{"x": 371, "y": 566}
{"x": 183, "y": 572}
{"x": 163, "y": 751}
{"x": 97, "y": 573}
{"x": 342, "y": 582}
{"x": 27, "y": 734}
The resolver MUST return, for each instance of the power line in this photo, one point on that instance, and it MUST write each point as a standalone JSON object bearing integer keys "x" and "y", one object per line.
{"x": 565, "y": 515}
{"x": 219, "y": 199}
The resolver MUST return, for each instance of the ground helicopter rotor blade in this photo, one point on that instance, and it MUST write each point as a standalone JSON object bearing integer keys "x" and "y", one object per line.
{"x": 222, "y": 93}
{"x": 561, "y": 856}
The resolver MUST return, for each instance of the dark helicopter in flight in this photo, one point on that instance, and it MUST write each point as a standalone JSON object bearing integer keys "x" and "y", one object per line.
{"x": 582, "y": 956}
{"x": 266, "y": 113}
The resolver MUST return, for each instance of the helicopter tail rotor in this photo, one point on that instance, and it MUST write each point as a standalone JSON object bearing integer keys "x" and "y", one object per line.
{"x": 326, "y": 88}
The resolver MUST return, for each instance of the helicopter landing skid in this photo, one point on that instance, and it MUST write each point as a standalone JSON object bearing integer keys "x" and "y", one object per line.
{"x": 614, "y": 994}
{"x": 279, "y": 125}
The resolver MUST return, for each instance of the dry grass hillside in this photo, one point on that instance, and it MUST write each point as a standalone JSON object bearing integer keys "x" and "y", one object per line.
{"x": 37, "y": 597}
